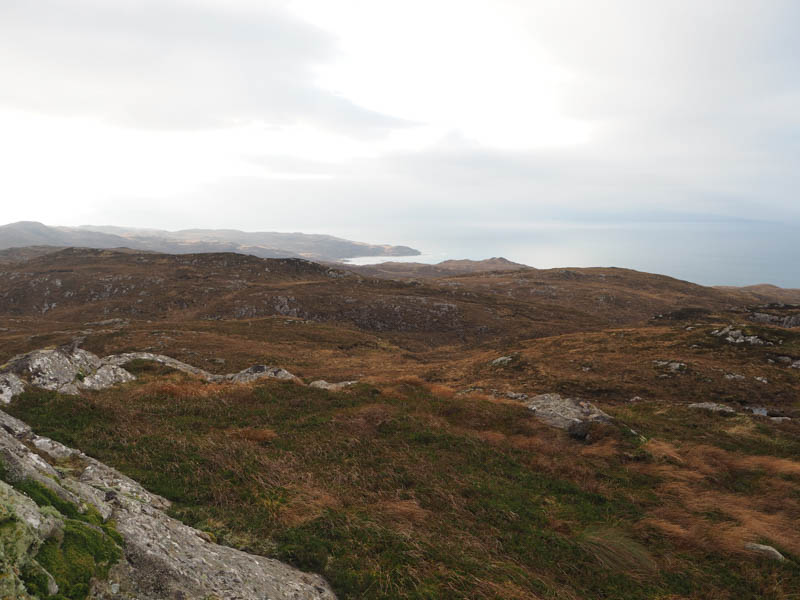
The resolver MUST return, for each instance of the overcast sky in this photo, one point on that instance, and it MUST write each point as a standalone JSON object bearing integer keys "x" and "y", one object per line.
{"x": 613, "y": 129}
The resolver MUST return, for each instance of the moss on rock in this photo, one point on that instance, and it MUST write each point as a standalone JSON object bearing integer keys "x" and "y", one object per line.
{"x": 51, "y": 563}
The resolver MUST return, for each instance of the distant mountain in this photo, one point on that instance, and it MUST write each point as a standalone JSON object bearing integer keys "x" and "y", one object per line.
{"x": 261, "y": 244}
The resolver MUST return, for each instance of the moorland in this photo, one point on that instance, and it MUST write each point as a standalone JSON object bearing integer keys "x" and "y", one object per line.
{"x": 439, "y": 470}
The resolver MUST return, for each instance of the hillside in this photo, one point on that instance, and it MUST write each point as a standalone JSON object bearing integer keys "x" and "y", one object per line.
{"x": 263, "y": 244}
{"x": 81, "y": 285}
{"x": 766, "y": 293}
{"x": 511, "y": 433}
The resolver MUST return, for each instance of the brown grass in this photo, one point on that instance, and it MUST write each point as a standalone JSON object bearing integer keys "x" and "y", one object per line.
{"x": 181, "y": 387}
{"x": 404, "y": 510}
{"x": 306, "y": 504}
{"x": 252, "y": 434}
{"x": 661, "y": 450}
{"x": 691, "y": 495}
{"x": 614, "y": 550}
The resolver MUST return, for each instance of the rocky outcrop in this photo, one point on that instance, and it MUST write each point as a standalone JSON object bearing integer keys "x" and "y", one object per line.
{"x": 779, "y": 320}
{"x": 735, "y": 336}
{"x": 671, "y": 366}
{"x": 570, "y": 414}
{"x": 257, "y": 372}
{"x": 10, "y": 386}
{"x": 69, "y": 369}
{"x": 146, "y": 555}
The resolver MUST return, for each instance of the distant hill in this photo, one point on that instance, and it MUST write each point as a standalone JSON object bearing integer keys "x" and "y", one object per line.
{"x": 190, "y": 241}
{"x": 413, "y": 270}
{"x": 82, "y": 285}
{"x": 766, "y": 293}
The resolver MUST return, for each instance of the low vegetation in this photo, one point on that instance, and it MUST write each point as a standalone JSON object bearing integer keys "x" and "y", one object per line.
{"x": 430, "y": 478}
{"x": 83, "y": 549}
{"x": 409, "y": 490}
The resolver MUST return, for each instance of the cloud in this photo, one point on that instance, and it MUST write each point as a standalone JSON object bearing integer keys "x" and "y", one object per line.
{"x": 172, "y": 64}
{"x": 524, "y": 111}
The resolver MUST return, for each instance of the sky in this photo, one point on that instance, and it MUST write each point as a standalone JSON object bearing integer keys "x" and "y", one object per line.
{"x": 657, "y": 135}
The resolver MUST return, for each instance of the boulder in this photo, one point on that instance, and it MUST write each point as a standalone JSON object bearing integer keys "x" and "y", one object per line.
{"x": 56, "y": 369}
{"x": 502, "y": 361}
{"x": 764, "y": 550}
{"x": 257, "y": 372}
{"x": 734, "y": 377}
{"x": 673, "y": 366}
{"x": 566, "y": 413}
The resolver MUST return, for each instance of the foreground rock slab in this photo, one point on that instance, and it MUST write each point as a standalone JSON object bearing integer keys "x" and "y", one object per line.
{"x": 161, "y": 558}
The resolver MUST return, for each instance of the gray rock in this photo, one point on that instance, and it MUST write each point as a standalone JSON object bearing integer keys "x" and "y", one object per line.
{"x": 735, "y": 336}
{"x": 502, "y": 361}
{"x": 332, "y": 387}
{"x": 796, "y": 364}
{"x": 565, "y": 413}
{"x": 120, "y": 360}
{"x": 56, "y": 450}
{"x": 13, "y": 425}
{"x": 10, "y": 386}
{"x": 713, "y": 407}
{"x": 782, "y": 321}
{"x": 734, "y": 377}
{"x": 672, "y": 366}
{"x": 257, "y": 372}
{"x": 105, "y": 377}
{"x": 55, "y": 368}
{"x": 162, "y": 558}
{"x": 764, "y": 550}
{"x": 248, "y": 375}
